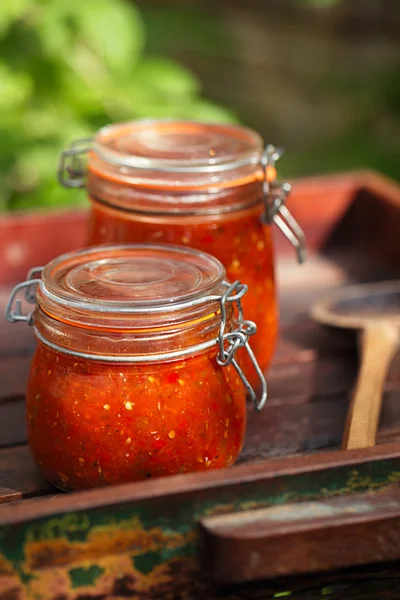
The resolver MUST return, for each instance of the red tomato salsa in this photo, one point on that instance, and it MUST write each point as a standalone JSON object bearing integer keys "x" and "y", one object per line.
{"x": 193, "y": 184}
{"x": 92, "y": 424}
{"x": 239, "y": 240}
{"x": 125, "y": 382}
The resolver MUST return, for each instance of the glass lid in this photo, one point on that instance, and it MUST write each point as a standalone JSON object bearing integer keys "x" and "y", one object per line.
{"x": 186, "y": 153}
{"x": 126, "y": 280}
{"x": 177, "y": 145}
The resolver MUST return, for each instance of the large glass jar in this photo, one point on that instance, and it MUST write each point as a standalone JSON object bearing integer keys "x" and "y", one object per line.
{"x": 134, "y": 374}
{"x": 211, "y": 187}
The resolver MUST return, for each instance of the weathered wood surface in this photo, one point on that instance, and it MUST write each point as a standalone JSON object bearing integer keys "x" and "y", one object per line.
{"x": 282, "y": 540}
{"x": 310, "y": 380}
{"x": 141, "y": 540}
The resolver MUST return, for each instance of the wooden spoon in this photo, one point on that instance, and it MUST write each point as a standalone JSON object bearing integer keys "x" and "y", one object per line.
{"x": 374, "y": 310}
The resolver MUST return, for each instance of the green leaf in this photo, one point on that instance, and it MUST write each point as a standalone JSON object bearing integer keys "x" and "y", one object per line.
{"x": 204, "y": 110}
{"x": 49, "y": 195}
{"x": 83, "y": 95}
{"x": 166, "y": 79}
{"x": 11, "y": 11}
{"x": 66, "y": 69}
{"x": 15, "y": 88}
{"x": 200, "y": 111}
{"x": 53, "y": 25}
{"x": 32, "y": 168}
{"x": 5, "y": 193}
{"x": 113, "y": 30}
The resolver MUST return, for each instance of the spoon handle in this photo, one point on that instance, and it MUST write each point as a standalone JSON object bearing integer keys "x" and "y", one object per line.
{"x": 379, "y": 344}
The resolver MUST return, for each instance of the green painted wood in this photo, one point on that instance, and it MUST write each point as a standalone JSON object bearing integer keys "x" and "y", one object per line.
{"x": 149, "y": 538}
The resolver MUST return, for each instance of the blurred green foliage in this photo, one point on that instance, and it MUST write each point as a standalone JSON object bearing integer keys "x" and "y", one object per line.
{"x": 68, "y": 67}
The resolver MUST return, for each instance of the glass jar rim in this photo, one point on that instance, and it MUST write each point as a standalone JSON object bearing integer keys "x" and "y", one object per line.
{"x": 177, "y": 154}
{"x": 174, "y": 148}
{"x": 134, "y": 284}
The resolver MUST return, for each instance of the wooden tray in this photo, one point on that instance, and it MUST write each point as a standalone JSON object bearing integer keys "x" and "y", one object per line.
{"x": 296, "y": 512}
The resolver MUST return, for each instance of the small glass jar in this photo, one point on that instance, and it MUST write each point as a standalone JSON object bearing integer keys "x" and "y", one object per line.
{"x": 134, "y": 374}
{"x": 207, "y": 186}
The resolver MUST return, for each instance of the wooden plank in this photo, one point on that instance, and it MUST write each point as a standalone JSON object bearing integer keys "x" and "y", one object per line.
{"x": 23, "y": 245}
{"x": 314, "y": 465}
{"x": 369, "y": 229}
{"x": 286, "y": 540}
{"x": 15, "y": 339}
{"x": 19, "y": 477}
{"x": 300, "y": 426}
{"x": 323, "y": 274}
{"x": 29, "y": 500}
{"x": 14, "y": 372}
{"x": 12, "y": 421}
{"x": 148, "y": 531}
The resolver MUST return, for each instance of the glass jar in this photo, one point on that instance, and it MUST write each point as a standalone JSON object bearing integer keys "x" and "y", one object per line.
{"x": 207, "y": 186}
{"x": 134, "y": 374}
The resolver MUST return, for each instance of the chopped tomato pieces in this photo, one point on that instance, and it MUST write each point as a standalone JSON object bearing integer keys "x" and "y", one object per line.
{"x": 149, "y": 422}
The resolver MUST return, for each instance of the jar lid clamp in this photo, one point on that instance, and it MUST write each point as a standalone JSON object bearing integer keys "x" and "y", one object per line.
{"x": 275, "y": 196}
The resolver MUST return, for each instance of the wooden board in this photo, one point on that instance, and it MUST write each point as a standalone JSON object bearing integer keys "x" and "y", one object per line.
{"x": 142, "y": 540}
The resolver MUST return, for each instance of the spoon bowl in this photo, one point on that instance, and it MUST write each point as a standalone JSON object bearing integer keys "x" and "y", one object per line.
{"x": 374, "y": 311}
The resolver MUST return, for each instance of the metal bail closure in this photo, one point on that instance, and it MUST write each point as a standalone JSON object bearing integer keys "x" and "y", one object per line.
{"x": 71, "y": 166}
{"x": 238, "y": 338}
{"x": 228, "y": 342}
{"x": 13, "y": 311}
{"x": 275, "y": 195}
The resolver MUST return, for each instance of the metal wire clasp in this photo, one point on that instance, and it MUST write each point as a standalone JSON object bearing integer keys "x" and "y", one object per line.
{"x": 230, "y": 342}
{"x": 275, "y": 196}
{"x": 71, "y": 167}
{"x": 13, "y": 311}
